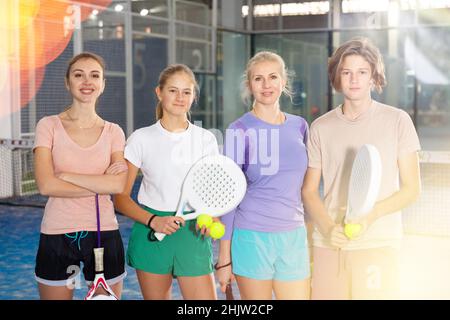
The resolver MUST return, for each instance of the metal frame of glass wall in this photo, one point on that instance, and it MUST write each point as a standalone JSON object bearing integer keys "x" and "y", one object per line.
{"x": 412, "y": 40}
{"x": 136, "y": 43}
{"x": 215, "y": 38}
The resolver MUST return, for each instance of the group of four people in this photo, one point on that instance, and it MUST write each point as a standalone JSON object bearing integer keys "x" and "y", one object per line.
{"x": 266, "y": 245}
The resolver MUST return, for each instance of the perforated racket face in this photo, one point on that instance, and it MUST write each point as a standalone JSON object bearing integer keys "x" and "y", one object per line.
{"x": 215, "y": 185}
{"x": 364, "y": 183}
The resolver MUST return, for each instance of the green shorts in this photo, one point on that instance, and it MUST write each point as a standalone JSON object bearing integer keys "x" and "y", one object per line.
{"x": 183, "y": 253}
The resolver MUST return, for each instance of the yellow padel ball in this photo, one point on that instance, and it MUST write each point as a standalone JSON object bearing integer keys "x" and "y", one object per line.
{"x": 351, "y": 230}
{"x": 204, "y": 220}
{"x": 217, "y": 230}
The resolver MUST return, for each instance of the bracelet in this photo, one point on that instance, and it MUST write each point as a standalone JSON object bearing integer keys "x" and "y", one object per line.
{"x": 150, "y": 221}
{"x": 222, "y": 266}
{"x": 151, "y": 236}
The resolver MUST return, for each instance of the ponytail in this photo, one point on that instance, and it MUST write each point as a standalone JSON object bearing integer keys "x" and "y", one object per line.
{"x": 159, "y": 111}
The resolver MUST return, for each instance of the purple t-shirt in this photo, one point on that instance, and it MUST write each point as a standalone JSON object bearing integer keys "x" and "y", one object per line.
{"x": 274, "y": 160}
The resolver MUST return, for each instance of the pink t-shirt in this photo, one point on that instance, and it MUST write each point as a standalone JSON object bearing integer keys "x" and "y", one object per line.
{"x": 66, "y": 215}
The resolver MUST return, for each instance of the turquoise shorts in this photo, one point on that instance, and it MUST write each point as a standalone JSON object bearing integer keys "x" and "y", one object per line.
{"x": 279, "y": 256}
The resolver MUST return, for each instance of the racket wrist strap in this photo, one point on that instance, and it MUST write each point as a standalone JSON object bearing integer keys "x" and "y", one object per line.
{"x": 217, "y": 267}
{"x": 150, "y": 221}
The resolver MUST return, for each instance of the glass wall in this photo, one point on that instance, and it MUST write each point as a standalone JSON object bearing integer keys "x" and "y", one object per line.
{"x": 417, "y": 73}
{"x": 140, "y": 38}
{"x": 233, "y": 51}
{"x": 305, "y": 54}
{"x": 230, "y": 14}
{"x": 203, "y": 112}
{"x": 149, "y": 59}
{"x": 104, "y": 34}
{"x": 137, "y": 40}
{"x": 429, "y": 55}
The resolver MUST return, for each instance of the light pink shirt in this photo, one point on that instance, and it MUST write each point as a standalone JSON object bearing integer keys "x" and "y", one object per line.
{"x": 66, "y": 215}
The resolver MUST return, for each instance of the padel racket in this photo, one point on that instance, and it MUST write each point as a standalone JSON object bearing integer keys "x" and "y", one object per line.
{"x": 214, "y": 185}
{"x": 99, "y": 280}
{"x": 364, "y": 183}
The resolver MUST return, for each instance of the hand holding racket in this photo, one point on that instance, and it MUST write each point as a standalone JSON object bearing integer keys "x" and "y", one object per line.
{"x": 363, "y": 188}
{"x": 214, "y": 185}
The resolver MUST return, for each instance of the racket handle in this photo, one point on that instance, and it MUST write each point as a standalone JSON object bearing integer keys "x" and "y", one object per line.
{"x": 98, "y": 254}
{"x": 190, "y": 216}
{"x": 159, "y": 236}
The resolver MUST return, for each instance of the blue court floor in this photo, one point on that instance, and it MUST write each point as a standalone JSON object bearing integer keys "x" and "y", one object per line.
{"x": 424, "y": 261}
{"x": 19, "y": 237}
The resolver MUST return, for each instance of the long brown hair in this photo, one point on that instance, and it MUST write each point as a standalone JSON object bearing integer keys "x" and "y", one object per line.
{"x": 169, "y": 72}
{"x": 363, "y": 47}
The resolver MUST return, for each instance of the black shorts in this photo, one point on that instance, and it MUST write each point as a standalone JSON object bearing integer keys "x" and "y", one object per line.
{"x": 59, "y": 256}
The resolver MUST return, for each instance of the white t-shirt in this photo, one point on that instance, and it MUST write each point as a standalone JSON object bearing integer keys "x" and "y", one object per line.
{"x": 165, "y": 158}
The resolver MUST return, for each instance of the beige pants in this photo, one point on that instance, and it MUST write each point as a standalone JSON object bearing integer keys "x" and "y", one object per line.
{"x": 356, "y": 274}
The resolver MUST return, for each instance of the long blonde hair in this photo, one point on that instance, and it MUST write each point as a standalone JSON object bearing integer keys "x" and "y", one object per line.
{"x": 169, "y": 72}
{"x": 263, "y": 56}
